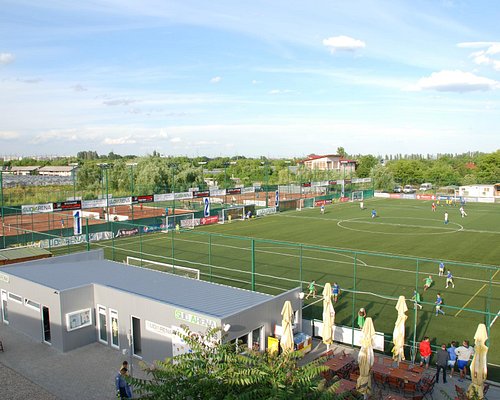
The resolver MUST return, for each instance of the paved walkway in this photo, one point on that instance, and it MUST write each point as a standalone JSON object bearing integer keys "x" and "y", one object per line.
{"x": 35, "y": 371}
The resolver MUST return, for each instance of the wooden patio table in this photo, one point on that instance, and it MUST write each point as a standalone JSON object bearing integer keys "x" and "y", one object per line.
{"x": 405, "y": 375}
{"x": 345, "y": 386}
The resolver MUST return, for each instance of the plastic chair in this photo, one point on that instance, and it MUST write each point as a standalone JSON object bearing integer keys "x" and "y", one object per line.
{"x": 409, "y": 388}
{"x": 379, "y": 379}
{"x": 394, "y": 383}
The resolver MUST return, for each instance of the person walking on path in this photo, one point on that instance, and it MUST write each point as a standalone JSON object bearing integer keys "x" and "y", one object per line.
{"x": 123, "y": 389}
{"x": 464, "y": 353}
{"x": 453, "y": 357}
{"x": 425, "y": 352}
{"x": 312, "y": 290}
{"x": 442, "y": 362}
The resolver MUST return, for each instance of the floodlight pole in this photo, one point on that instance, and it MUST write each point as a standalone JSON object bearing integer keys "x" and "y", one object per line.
{"x": 202, "y": 163}
{"x": 288, "y": 174}
{"x": 73, "y": 176}
{"x": 1, "y": 196}
{"x": 105, "y": 166}
{"x": 265, "y": 164}
{"x": 173, "y": 213}
{"x": 132, "y": 165}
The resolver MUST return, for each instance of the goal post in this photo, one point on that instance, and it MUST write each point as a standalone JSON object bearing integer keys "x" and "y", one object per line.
{"x": 357, "y": 195}
{"x": 164, "y": 267}
{"x": 232, "y": 213}
{"x": 185, "y": 221}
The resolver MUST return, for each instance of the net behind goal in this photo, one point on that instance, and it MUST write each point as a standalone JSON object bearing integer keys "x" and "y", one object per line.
{"x": 164, "y": 267}
{"x": 185, "y": 221}
{"x": 232, "y": 213}
{"x": 357, "y": 195}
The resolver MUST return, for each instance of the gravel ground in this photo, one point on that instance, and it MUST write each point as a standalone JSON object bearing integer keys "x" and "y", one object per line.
{"x": 14, "y": 386}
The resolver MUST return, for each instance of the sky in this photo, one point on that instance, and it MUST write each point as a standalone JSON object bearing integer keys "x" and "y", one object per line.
{"x": 251, "y": 78}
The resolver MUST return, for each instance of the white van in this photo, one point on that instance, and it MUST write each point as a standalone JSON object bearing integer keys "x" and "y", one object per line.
{"x": 425, "y": 186}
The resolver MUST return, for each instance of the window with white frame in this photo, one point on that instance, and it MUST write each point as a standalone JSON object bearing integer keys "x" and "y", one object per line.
{"x": 32, "y": 304}
{"x": 16, "y": 298}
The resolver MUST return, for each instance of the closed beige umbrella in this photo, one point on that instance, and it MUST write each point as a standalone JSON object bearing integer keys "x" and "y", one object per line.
{"x": 286, "y": 341}
{"x": 365, "y": 359}
{"x": 398, "y": 335}
{"x": 479, "y": 367}
{"x": 328, "y": 316}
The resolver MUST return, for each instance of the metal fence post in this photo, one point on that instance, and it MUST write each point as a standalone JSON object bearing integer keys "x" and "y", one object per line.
{"x": 354, "y": 298}
{"x": 300, "y": 265}
{"x": 415, "y": 314}
{"x": 253, "y": 265}
{"x": 87, "y": 233}
{"x": 210, "y": 256}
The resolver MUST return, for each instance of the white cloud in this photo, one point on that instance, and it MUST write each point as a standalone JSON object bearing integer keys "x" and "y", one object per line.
{"x": 215, "y": 79}
{"x": 70, "y": 135}
{"x": 486, "y": 56}
{"x": 7, "y": 135}
{"x": 455, "y": 81}
{"x": 281, "y": 91}
{"x": 175, "y": 140}
{"x": 6, "y": 58}
{"x": 255, "y": 82}
{"x": 79, "y": 88}
{"x": 119, "y": 140}
{"x": 119, "y": 102}
{"x": 343, "y": 43}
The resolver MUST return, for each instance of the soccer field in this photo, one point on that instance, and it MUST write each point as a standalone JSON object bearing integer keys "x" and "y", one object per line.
{"x": 373, "y": 260}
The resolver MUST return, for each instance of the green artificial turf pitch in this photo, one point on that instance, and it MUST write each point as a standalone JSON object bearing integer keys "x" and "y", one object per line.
{"x": 382, "y": 253}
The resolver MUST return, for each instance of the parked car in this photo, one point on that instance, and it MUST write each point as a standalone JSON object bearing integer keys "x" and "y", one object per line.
{"x": 398, "y": 189}
{"x": 425, "y": 186}
{"x": 409, "y": 189}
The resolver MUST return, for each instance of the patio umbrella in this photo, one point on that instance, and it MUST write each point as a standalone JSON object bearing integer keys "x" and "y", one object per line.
{"x": 478, "y": 367}
{"x": 365, "y": 359}
{"x": 286, "y": 341}
{"x": 328, "y": 316}
{"x": 398, "y": 336}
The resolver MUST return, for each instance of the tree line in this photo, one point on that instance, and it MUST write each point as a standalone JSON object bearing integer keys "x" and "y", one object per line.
{"x": 156, "y": 174}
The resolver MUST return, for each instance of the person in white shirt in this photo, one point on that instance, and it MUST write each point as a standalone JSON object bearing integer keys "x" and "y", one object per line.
{"x": 464, "y": 353}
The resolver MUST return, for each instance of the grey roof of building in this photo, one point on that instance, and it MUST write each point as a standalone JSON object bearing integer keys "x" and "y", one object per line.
{"x": 76, "y": 270}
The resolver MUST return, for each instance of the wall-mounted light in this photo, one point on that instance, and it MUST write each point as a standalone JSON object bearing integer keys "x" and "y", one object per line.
{"x": 226, "y": 327}
{"x": 301, "y": 295}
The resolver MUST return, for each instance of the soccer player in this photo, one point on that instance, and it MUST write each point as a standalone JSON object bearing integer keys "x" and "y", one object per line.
{"x": 446, "y": 218}
{"x": 441, "y": 269}
{"x": 335, "y": 291}
{"x": 312, "y": 290}
{"x": 428, "y": 283}
{"x": 449, "y": 280}
{"x": 177, "y": 228}
{"x": 416, "y": 299}
{"x": 374, "y": 213}
{"x": 439, "y": 303}
{"x": 362, "y": 205}
{"x": 462, "y": 212}
{"x": 322, "y": 208}
{"x": 433, "y": 207}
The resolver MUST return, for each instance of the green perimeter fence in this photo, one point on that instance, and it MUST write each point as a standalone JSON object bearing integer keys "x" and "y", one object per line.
{"x": 370, "y": 280}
